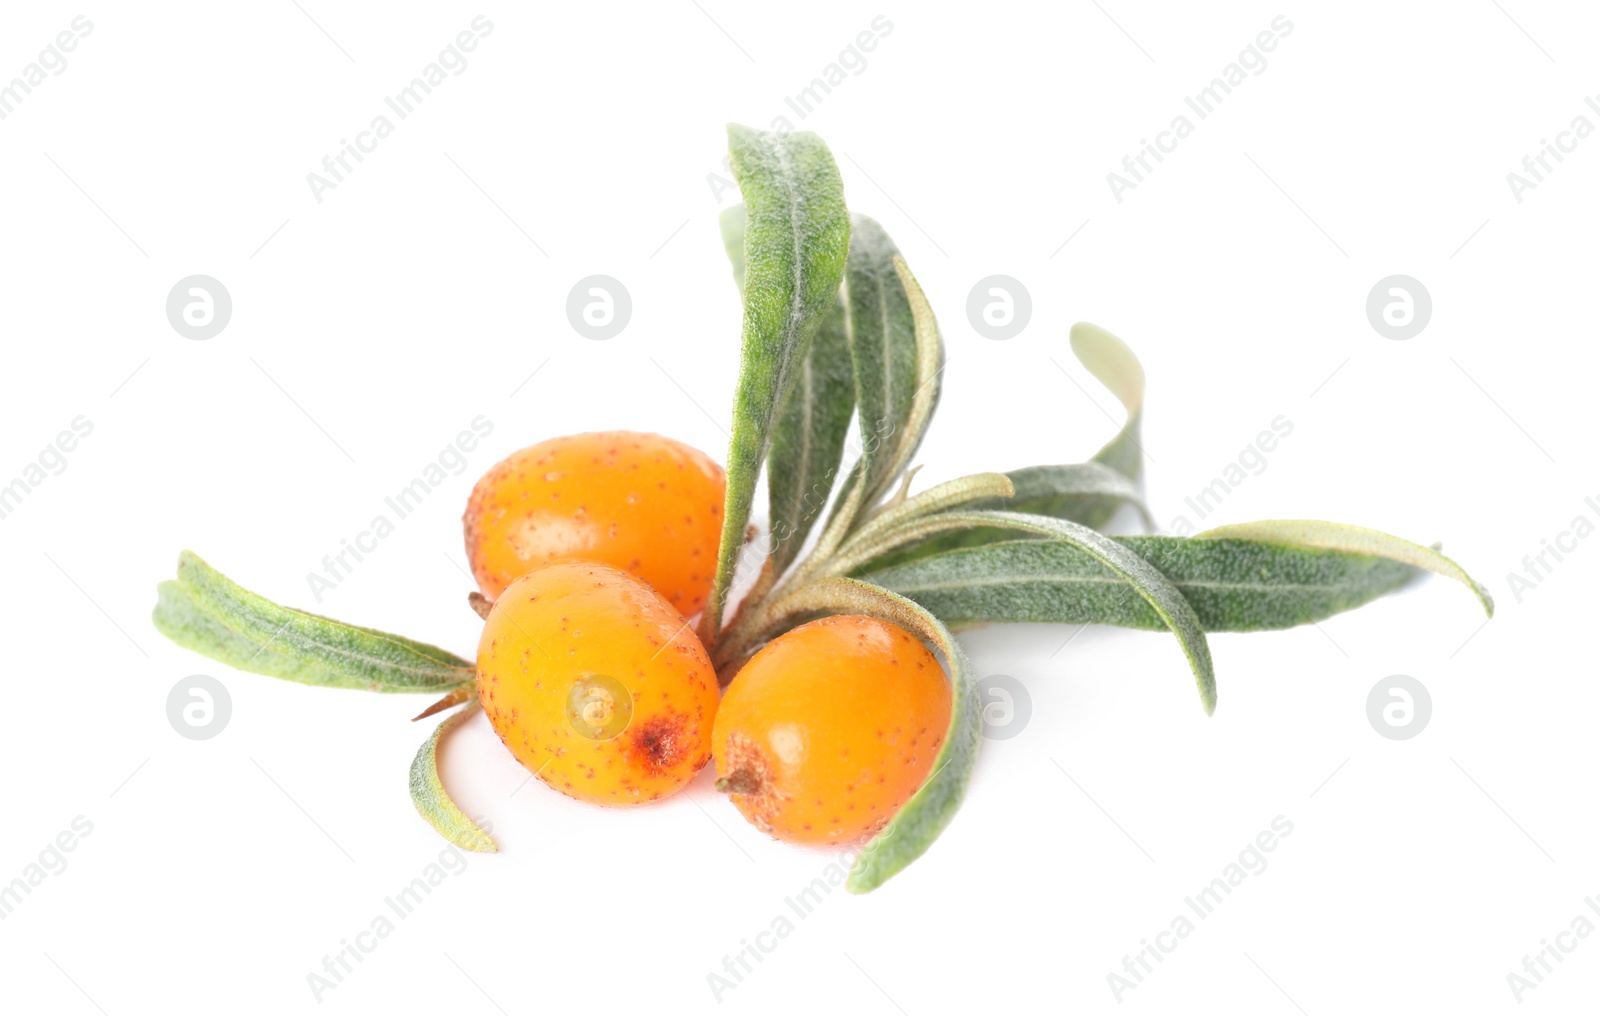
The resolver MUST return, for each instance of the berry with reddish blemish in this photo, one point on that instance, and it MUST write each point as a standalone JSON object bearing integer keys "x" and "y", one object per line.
{"x": 830, "y": 728}
{"x": 596, "y": 684}
{"x": 640, "y": 502}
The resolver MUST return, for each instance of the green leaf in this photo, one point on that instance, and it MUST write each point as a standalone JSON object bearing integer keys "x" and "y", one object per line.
{"x": 433, "y": 801}
{"x": 1233, "y": 585}
{"x": 796, "y": 238}
{"x": 922, "y": 818}
{"x": 973, "y": 491}
{"x": 861, "y": 492}
{"x": 180, "y": 619}
{"x": 1115, "y": 366}
{"x": 808, "y": 439}
{"x": 1163, "y": 597}
{"x": 1063, "y": 492}
{"x": 206, "y": 612}
{"x": 1336, "y": 536}
{"x": 883, "y": 352}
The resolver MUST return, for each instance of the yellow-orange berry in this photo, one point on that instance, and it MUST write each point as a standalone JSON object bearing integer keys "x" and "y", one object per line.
{"x": 596, "y": 684}
{"x": 830, "y": 728}
{"x": 640, "y": 502}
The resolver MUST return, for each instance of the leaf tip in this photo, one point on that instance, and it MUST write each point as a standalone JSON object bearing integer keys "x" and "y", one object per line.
{"x": 486, "y": 845}
{"x": 1484, "y": 598}
{"x": 858, "y": 886}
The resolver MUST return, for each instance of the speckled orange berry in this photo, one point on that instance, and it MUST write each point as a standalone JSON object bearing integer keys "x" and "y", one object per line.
{"x": 641, "y": 502}
{"x": 596, "y": 684}
{"x": 830, "y": 728}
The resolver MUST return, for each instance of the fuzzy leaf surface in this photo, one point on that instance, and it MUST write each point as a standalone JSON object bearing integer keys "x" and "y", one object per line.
{"x": 433, "y": 801}
{"x": 205, "y": 611}
{"x": 808, "y": 437}
{"x": 796, "y": 239}
{"x": 1154, "y": 587}
{"x": 1336, "y": 536}
{"x": 1233, "y": 585}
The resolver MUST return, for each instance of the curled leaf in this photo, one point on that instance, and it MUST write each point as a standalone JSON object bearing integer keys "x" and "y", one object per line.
{"x": 1336, "y": 536}
{"x": 433, "y": 801}
{"x": 1113, "y": 364}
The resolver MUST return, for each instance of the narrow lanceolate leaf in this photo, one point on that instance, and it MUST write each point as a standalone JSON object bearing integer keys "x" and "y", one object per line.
{"x": 920, "y": 821}
{"x": 1334, "y": 536}
{"x": 180, "y": 619}
{"x": 796, "y": 237}
{"x": 205, "y": 611}
{"x": 861, "y": 492}
{"x": 930, "y": 370}
{"x": 1063, "y": 492}
{"x": 883, "y": 351}
{"x": 433, "y": 801}
{"x": 808, "y": 439}
{"x": 1155, "y": 588}
{"x": 1115, "y": 366}
{"x": 973, "y": 491}
{"x": 1233, "y": 585}
{"x": 1066, "y": 491}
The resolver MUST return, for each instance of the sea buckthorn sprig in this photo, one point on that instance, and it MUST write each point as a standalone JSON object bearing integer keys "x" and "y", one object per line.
{"x": 849, "y": 708}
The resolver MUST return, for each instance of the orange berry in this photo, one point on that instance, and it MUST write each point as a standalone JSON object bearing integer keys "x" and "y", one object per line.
{"x": 641, "y": 502}
{"x": 596, "y": 684}
{"x": 830, "y": 728}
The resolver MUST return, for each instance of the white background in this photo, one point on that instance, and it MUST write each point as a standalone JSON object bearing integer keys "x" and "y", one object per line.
{"x": 370, "y": 327}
